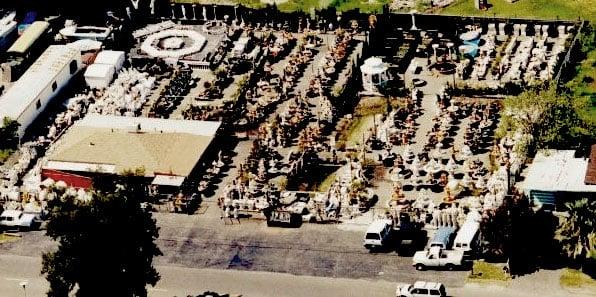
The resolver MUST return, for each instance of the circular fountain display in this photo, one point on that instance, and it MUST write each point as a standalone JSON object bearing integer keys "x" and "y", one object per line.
{"x": 173, "y": 43}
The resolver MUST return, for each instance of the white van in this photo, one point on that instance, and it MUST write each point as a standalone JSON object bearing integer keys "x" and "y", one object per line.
{"x": 468, "y": 233}
{"x": 377, "y": 234}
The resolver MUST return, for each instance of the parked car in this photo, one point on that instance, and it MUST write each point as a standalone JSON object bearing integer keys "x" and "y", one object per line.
{"x": 16, "y": 219}
{"x": 437, "y": 257}
{"x": 421, "y": 289}
{"x": 378, "y": 234}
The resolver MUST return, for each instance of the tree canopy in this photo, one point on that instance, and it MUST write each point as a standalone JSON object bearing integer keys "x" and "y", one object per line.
{"x": 9, "y": 134}
{"x": 553, "y": 120}
{"x": 106, "y": 244}
{"x": 577, "y": 231}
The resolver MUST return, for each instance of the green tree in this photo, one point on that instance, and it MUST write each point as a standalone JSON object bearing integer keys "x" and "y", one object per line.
{"x": 508, "y": 233}
{"x": 9, "y": 134}
{"x": 577, "y": 231}
{"x": 106, "y": 244}
{"x": 553, "y": 120}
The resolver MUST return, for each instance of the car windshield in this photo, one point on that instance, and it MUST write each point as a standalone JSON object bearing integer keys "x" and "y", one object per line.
{"x": 372, "y": 236}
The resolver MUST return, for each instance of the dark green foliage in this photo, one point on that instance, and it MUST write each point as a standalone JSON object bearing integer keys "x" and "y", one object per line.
{"x": 106, "y": 245}
{"x": 577, "y": 231}
{"x": 554, "y": 120}
{"x": 9, "y": 138}
{"x": 508, "y": 233}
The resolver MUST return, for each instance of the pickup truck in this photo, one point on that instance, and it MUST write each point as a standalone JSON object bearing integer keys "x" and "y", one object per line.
{"x": 16, "y": 219}
{"x": 437, "y": 257}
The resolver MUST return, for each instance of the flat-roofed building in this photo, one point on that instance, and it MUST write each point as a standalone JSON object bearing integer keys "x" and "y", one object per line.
{"x": 165, "y": 149}
{"x": 556, "y": 176}
{"x": 99, "y": 76}
{"x": 113, "y": 58}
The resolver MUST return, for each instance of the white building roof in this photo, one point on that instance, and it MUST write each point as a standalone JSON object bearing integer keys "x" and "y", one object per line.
{"x": 88, "y": 32}
{"x": 99, "y": 71}
{"x": 198, "y": 128}
{"x": 40, "y": 75}
{"x": 557, "y": 171}
{"x": 84, "y": 45}
{"x": 108, "y": 57}
{"x": 168, "y": 180}
{"x": 82, "y": 167}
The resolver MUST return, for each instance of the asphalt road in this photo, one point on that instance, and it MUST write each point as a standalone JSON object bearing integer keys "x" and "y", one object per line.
{"x": 182, "y": 281}
{"x": 315, "y": 250}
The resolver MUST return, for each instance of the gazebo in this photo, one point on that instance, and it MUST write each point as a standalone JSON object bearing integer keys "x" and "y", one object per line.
{"x": 374, "y": 74}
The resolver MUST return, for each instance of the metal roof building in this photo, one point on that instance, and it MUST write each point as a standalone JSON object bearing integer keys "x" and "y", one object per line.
{"x": 29, "y": 95}
{"x": 555, "y": 176}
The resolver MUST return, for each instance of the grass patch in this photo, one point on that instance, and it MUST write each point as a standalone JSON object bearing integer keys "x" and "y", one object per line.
{"x": 371, "y": 106}
{"x": 542, "y": 9}
{"x": 575, "y": 278}
{"x": 327, "y": 182}
{"x": 7, "y": 238}
{"x": 359, "y": 127}
{"x": 4, "y": 154}
{"x": 303, "y": 5}
{"x": 364, "y": 119}
{"x": 487, "y": 272}
{"x": 546, "y": 9}
{"x": 247, "y": 3}
{"x": 584, "y": 84}
{"x": 375, "y": 6}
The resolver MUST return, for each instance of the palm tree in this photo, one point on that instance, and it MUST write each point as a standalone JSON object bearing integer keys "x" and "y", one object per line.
{"x": 576, "y": 232}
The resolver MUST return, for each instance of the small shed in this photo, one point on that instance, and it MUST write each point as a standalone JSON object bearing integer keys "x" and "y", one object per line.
{"x": 555, "y": 176}
{"x": 113, "y": 58}
{"x": 99, "y": 76}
